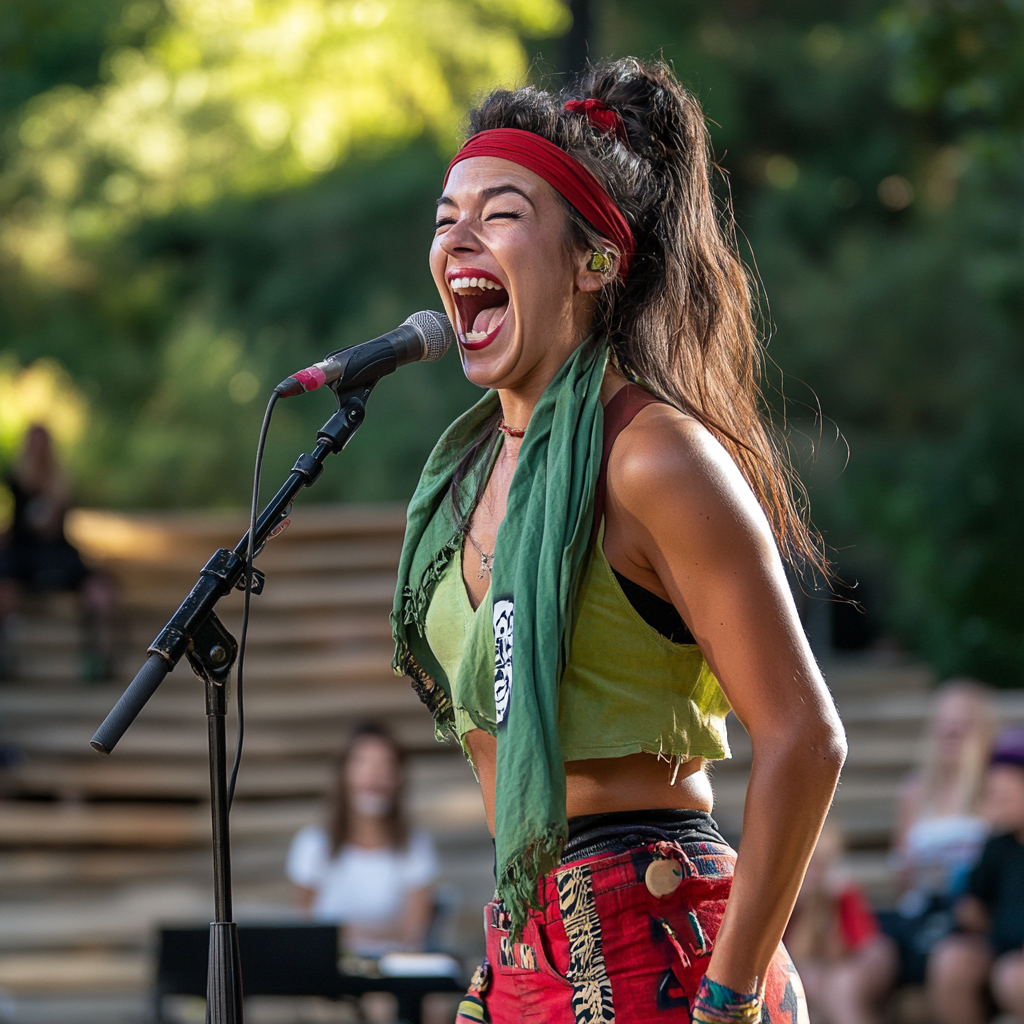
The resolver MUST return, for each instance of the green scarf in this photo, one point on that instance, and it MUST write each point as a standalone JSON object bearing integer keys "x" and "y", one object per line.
{"x": 538, "y": 561}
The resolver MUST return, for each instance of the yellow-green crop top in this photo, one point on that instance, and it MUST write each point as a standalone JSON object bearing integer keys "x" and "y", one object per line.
{"x": 626, "y": 688}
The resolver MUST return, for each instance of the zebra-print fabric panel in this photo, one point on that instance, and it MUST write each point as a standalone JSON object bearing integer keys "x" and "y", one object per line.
{"x": 592, "y": 989}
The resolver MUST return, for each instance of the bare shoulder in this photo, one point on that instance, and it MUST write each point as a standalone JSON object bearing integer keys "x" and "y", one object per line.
{"x": 667, "y": 466}
{"x": 662, "y": 441}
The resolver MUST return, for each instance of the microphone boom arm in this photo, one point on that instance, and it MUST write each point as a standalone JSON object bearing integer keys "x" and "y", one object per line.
{"x": 194, "y": 631}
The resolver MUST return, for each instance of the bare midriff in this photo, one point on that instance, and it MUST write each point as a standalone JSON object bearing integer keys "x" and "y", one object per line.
{"x": 636, "y": 782}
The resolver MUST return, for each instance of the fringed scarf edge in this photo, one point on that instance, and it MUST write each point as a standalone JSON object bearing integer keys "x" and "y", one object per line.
{"x": 519, "y": 885}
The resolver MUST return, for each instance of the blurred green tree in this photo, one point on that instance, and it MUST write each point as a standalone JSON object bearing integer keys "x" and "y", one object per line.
{"x": 219, "y": 193}
{"x": 198, "y": 198}
{"x": 874, "y": 152}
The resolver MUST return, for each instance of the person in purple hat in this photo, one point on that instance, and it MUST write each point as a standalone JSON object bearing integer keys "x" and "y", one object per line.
{"x": 984, "y": 961}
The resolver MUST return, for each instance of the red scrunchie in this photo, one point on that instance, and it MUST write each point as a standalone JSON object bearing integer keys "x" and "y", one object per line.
{"x": 564, "y": 173}
{"x": 601, "y": 116}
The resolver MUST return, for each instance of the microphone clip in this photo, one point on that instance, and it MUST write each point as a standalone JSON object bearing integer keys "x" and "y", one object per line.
{"x": 351, "y": 412}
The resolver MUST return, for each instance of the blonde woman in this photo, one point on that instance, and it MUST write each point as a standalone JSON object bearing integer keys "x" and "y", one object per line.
{"x": 939, "y": 828}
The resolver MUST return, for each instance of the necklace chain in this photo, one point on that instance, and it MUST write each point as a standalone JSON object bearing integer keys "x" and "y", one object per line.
{"x": 486, "y": 560}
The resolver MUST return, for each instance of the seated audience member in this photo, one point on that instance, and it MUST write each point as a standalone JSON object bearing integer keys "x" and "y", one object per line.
{"x": 846, "y": 964}
{"x": 984, "y": 962}
{"x": 36, "y": 557}
{"x": 940, "y": 830}
{"x": 366, "y": 869}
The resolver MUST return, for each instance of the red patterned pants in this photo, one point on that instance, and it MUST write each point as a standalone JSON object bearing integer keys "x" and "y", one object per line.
{"x": 604, "y": 947}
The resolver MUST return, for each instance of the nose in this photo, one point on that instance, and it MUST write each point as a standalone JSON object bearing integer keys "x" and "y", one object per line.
{"x": 460, "y": 241}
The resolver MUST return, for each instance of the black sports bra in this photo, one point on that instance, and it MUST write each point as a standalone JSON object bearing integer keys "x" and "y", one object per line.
{"x": 658, "y": 613}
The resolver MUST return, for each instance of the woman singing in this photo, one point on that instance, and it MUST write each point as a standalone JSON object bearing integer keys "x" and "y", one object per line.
{"x": 591, "y": 575}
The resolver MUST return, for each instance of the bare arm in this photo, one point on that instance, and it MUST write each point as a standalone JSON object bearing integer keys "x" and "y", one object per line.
{"x": 417, "y": 917}
{"x": 305, "y": 897}
{"x": 907, "y": 808}
{"x": 683, "y": 523}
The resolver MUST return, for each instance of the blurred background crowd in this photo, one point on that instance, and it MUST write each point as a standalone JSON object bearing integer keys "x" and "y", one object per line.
{"x": 199, "y": 196}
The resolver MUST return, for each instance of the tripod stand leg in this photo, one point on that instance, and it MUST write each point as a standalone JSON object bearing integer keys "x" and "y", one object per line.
{"x": 224, "y": 975}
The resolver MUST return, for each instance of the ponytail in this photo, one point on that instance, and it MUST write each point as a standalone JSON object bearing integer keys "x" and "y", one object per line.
{"x": 683, "y": 322}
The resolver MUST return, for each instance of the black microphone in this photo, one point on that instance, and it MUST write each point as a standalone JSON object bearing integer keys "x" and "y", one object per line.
{"x": 424, "y": 337}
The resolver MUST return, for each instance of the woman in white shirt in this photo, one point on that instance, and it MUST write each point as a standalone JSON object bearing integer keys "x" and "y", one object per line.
{"x": 939, "y": 829}
{"x": 366, "y": 869}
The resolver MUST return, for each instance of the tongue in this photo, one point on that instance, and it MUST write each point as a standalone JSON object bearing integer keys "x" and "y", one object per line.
{"x": 487, "y": 319}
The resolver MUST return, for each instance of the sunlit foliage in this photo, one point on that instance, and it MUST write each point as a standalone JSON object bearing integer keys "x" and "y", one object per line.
{"x": 240, "y": 97}
{"x": 44, "y": 394}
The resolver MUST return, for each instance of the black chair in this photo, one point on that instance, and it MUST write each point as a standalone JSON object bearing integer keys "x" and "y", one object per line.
{"x": 281, "y": 960}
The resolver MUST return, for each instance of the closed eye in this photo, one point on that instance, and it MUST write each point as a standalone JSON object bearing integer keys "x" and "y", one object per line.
{"x": 507, "y": 214}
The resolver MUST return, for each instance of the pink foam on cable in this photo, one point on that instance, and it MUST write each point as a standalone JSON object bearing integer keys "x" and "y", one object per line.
{"x": 311, "y": 378}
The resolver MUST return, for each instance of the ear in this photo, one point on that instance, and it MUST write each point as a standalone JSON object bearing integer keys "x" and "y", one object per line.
{"x": 588, "y": 280}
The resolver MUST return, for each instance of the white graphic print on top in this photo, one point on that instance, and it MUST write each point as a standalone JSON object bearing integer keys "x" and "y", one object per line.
{"x": 502, "y": 658}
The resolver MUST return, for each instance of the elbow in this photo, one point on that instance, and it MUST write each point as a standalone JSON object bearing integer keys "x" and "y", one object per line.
{"x": 829, "y": 745}
{"x": 815, "y": 748}
{"x": 839, "y": 748}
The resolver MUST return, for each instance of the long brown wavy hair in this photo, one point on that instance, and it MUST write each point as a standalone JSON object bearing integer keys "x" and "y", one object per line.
{"x": 683, "y": 324}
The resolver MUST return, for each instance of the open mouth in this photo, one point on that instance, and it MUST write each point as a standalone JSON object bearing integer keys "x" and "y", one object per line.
{"x": 481, "y": 305}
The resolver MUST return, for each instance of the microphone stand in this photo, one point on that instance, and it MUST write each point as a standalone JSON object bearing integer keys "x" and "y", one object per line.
{"x": 196, "y": 632}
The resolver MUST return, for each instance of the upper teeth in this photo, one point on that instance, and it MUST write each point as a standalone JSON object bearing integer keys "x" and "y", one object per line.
{"x": 461, "y": 283}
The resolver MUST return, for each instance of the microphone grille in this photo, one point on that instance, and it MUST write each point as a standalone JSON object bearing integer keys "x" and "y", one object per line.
{"x": 436, "y": 331}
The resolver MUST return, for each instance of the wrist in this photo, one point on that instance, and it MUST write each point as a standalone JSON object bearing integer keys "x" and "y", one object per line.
{"x": 723, "y": 973}
{"x": 719, "y": 1004}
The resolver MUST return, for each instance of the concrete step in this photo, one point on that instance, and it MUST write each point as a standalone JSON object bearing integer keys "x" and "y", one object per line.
{"x": 34, "y": 872}
{"x": 159, "y": 740}
{"x": 442, "y": 795}
{"x": 41, "y": 635}
{"x": 335, "y": 556}
{"x": 163, "y": 826}
{"x": 356, "y": 592}
{"x": 181, "y": 695}
{"x": 860, "y": 674}
{"x": 75, "y": 971}
{"x": 345, "y": 665}
{"x": 150, "y": 779}
{"x": 41, "y": 1006}
{"x": 100, "y": 533}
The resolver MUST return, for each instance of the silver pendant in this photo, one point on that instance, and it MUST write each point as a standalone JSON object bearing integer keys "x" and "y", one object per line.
{"x": 486, "y": 565}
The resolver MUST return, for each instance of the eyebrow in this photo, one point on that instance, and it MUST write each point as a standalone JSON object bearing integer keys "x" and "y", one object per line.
{"x": 490, "y": 193}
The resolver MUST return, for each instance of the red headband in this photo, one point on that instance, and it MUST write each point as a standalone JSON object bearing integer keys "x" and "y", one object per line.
{"x": 565, "y": 174}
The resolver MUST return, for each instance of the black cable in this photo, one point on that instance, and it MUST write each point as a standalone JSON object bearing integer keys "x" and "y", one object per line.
{"x": 250, "y": 555}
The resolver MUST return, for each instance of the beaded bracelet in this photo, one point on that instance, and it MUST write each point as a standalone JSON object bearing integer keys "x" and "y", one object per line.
{"x": 716, "y": 1004}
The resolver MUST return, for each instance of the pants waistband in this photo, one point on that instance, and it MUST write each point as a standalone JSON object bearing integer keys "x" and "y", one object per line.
{"x": 624, "y": 830}
{"x": 702, "y": 864}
